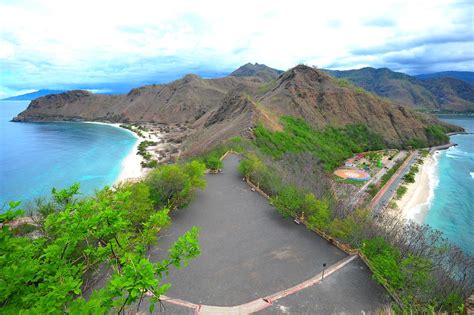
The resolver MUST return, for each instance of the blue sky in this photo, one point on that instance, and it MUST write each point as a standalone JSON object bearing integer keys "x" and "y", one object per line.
{"x": 109, "y": 44}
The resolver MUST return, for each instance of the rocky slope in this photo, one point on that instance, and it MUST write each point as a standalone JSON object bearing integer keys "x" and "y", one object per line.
{"x": 216, "y": 109}
{"x": 409, "y": 90}
{"x": 257, "y": 70}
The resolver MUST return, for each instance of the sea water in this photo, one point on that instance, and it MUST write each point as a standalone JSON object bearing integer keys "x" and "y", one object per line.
{"x": 452, "y": 207}
{"x": 34, "y": 157}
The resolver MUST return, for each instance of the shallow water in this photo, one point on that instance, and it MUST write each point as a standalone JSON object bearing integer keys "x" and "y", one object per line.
{"x": 34, "y": 157}
{"x": 452, "y": 208}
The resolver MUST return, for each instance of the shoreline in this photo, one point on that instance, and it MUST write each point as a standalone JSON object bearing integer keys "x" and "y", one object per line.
{"x": 415, "y": 204}
{"x": 131, "y": 169}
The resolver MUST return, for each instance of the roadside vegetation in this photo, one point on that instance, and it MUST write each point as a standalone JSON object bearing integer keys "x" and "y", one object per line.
{"x": 373, "y": 189}
{"x": 48, "y": 260}
{"x": 415, "y": 263}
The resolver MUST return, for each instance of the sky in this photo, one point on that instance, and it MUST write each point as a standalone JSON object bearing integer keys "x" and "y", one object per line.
{"x": 112, "y": 45}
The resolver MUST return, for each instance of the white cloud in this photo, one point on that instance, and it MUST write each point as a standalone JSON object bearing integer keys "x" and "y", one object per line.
{"x": 55, "y": 42}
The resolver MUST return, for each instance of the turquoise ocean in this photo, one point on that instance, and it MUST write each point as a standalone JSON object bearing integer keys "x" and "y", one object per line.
{"x": 34, "y": 157}
{"x": 452, "y": 207}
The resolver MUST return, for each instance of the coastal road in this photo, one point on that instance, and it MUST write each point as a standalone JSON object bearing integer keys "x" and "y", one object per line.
{"x": 386, "y": 193}
{"x": 378, "y": 176}
{"x": 249, "y": 252}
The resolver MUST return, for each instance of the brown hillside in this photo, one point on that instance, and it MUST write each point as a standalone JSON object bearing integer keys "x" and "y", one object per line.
{"x": 216, "y": 109}
{"x": 318, "y": 98}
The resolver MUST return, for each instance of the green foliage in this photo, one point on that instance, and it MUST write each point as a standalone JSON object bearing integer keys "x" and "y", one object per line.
{"x": 351, "y": 228}
{"x": 174, "y": 185}
{"x": 436, "y": 135}
{"x": 136, "y": 130}
{"x": 374, "y": 189}
{"x": 149, "y": 164}
{"x": 410, "y": 176}
{"x": 12, "y": 213}
{"x": 401, "y": 191}
{"x": 385, "y": 262}
{"x": 318, "y": 211}
{"x": 255, "y": 169}
{"x": 45, "y": 274}
{"x": 142, "y": 149}
{"x": 212, "y": 158}
{"x": 289, "y": 201}
{"x": 415, "y": 143}
{"x": 330, "y": 145}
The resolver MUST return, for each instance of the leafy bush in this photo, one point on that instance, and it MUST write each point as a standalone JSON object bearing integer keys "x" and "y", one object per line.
{"x": 415, "y": 143}
{"x": 46, "y": 274}
{"x": 174, "y": 185}
{"x": 214, "y": 163}
{"x": 436, "y": 135}
{"x": 385, "y": 261}
{"x": 149, "y": 164}
{"x": 401, "y": 191}
{"x": 289, "y": 201}
{"x": 142, "y": 149}
{"x": 265, "y": 178}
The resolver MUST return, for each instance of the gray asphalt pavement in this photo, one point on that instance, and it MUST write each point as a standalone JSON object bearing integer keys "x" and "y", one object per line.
{"x": 348, "y": 291}
{"x": 249, "y": 251}
{"x": 390, "y": 191}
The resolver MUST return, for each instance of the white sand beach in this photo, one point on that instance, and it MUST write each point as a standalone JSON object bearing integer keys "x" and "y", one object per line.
{"x": 131, "y": 165}
{"x": 415, "y": 203}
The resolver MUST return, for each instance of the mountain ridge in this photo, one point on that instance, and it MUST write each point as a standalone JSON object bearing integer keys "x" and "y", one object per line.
{"x": 409, "y": 90}
{"x": 466, "y": 76}
{"x": 216, "y": 109}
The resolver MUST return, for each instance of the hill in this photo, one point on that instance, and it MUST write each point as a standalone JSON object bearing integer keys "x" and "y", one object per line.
{"x": 409, "y": 90}
{"x": 466, "y": 76}
{"x": 32, "y": 95}
{"x": 216, "y": 109}
{"x": 259, "y": 70}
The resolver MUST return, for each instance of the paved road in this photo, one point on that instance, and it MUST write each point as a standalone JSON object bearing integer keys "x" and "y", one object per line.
{"x": 249, "y": 251}
{"x": 378, "y": 176}
{"x": 347, "y": 291}
{"x": 386, "y": 193}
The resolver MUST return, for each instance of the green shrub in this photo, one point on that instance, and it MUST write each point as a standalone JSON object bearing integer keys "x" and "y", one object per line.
{"x": 46, "y": 274}
{"x": 174, "y": 185}
{"x": 401, "y": 191}
{"x": 436, "y": 135}
{"x": 385, "y": 261}
{"x": 289, "y": 201}
{"x": 214, "y": 163}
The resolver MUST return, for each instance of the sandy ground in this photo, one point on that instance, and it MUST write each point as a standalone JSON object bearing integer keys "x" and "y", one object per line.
{"x": 131, "y": 165}
{"x": 415, "y": 203}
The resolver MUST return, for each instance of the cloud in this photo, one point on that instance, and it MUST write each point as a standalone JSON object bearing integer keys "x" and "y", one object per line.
{"x": 92, "y": 44}
{"x": 380, "y": 22}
